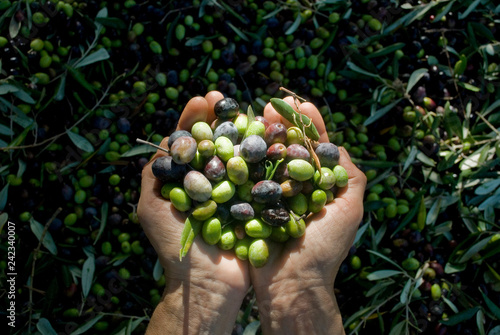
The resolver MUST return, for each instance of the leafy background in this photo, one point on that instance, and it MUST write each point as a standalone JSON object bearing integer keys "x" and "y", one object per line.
{"x": 410, "y": 88}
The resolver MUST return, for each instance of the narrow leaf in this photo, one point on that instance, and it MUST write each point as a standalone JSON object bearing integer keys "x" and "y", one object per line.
{"x": 48, "y": 241}
{"x": 474, "y": 249}
{"x": 104, "y": 219}
{"x": 88, "y": 270}
{"x": 410, "y": 159}
{"x": 469, "y": 86}
{"x": 157, "y": 270}
{"x": 191, "y": 228}
{"x": 386, "y": 50}
{"x": 433, "y": 212}
{"x": 3, "y": 196}
{"x": 4, "y": 130}
{"x": 14, "y": 27}
{"x": 487, "y": 187}
{"x": 80, "y": 141}
{"x": 139, "y": 150}
{"x": 492, "y": 306}
{"x": 238, "y": 32}
{"x": 86, "y": 326}
{"x": 381, "y": 112}
{"x": 403, "y": 298}
{"x": 460, "y": 317}
{"x": 442, "y": 13}
{"x": 61, "y": 87}
{"x": 94, "y": 57}
{"x": 469, "y": 9}
{"x": 496, "y": 330}
{"x": 43, "y": 325}
{"x": 399, "y": 328}
{"x": 357, "y": 69}
{"x": 295, "y": 25}
{"x": 414, "y": 78}
{"x": 383, "y": 274}
{"x": 386, "y": 259}
{"x": 252, "y": 328}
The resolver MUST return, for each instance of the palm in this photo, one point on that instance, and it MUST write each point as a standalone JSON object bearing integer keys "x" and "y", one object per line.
{"x": 164, "y": 225}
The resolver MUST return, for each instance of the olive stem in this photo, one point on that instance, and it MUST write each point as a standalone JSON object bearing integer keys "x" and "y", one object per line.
{"x": 138, "y": 140}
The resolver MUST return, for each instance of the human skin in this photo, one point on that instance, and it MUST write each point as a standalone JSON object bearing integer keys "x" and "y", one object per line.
{"x": 294, "y": 290}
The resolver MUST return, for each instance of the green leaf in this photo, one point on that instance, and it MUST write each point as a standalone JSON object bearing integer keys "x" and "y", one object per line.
{"x": 469, "y": 9}
{"x": 88, "y": 270}
{"x": 4, "y": 130}
{"x": 386, "y": 259}
{"x": 386, "y": 50}
{"x": 399, "y": 328}
{"x": 157, "y": 270}
{"x": 80, "y": 141}
{"x": 191, "y": 228}
{"x": 104, "y": 220}
{"x": 370, "y": 206}
{"x": 194, "y": 41}
{"x": 491, "y": 305}
{"x": 139, "y": 150}
{"x": 357, "y": 69}
{"x": 403, "y": 298}
{"x": 442, "y": 13}
{"x": 487, "y": 187}
{"x": 14, "y": 27}
{"x": 469, "y": 86}
{"x": 17, "y": 116}
{"x": 295, "y": 25}
{"x": 238, "y": 32}
{"x": 414, "y": 78}
{"x": 24, "y": 96}
{"x": 61, "y": 87}
{"x": 112, "y": 22}
{"x": 425, "y": 159}
{"x": 474, "y": 249}
{"x": 48, "y": 241}
{"x": 383, "y": 274}
{"x": 86, "y": 326}
{"x": 495, "y": 331}
{"x": 94, "y": 57}
{"x": 3, "y": 196}
{"x": 253, "y": 327}
{"x": 8, "y": 88}
{"x": 433, "y": 213}
{"x": 411, "y": 158}
{"x": 450, "y": 268}
{"x": 43, "y": 325}
{"x": 381, "y": 112}
{"x": 460, "y": 317}
{"x": 450, "y": 304}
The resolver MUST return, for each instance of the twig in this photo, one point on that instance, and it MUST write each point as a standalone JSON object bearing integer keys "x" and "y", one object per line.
{"x": 138, "y": 140}
{"x": 55, "y": 137}
{"x": 488, "y": 123}
{"x": 35, "y": 256}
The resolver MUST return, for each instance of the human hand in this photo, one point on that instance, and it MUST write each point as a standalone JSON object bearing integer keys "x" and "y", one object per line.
{"x": 205, "y": 290}
{"x": 295, "y": 289}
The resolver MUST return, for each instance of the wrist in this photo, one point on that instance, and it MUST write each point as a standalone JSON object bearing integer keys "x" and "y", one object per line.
{"x": 291, "y": 308}
{"x": 196, "y": 307}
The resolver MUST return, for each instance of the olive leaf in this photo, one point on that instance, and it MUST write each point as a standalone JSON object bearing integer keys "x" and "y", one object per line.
{"x": 299, "y": 120}
{"x": 191, "y": 228}
{"x": 460, "y": 317}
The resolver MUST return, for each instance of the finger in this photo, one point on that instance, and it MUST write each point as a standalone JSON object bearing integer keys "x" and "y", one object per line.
{"x": 306, "y": 108}
{"x": 354, "y": 191}
{"x": 196, "y": 110}
{"x": 150, "y": 184}
{"x": 212, "y": 97}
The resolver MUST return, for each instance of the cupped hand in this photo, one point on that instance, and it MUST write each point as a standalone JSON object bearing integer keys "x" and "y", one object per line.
{"x": 163, "y": 224}
{"x": 315, "y": 258}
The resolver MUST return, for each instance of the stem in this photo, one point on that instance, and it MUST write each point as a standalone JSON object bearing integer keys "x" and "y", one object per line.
{"x": 138, "y": 140}
{"x": 35, "y": 256}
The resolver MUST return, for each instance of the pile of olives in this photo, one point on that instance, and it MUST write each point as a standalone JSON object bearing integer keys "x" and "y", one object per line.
{"x": 245, "y": 181}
